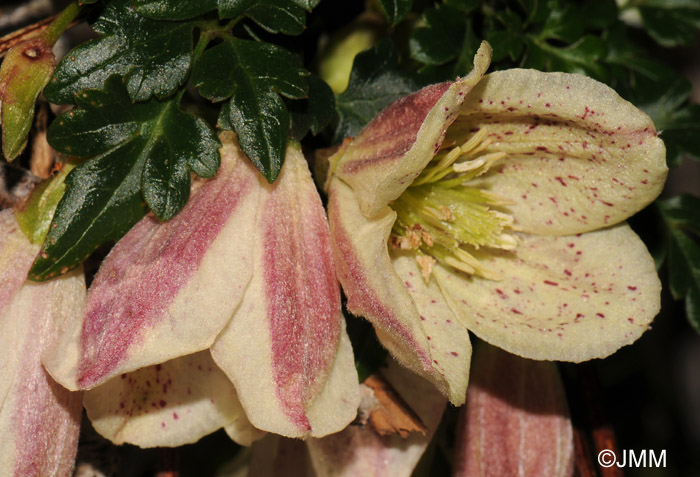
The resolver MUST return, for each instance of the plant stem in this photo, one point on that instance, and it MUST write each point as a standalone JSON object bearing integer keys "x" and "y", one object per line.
{"x": 61, "y": 23}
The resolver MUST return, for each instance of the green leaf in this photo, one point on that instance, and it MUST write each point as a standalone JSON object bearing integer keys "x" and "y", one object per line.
{"x": 374, "y": 84}
{"x": 563, "y": 23}
{"x": 680, "y": 133}
{"x": 440, "y": 40}
{"x": 307, "y": 5}
{"x": 254, "y": 75}
{"x": 153, "y": 56}
{"x": 395, "y": 10}
{"x": 136, "y": 152}
{"x": 582, "y": 57}
{"x": 682, "y": 217}
{"x": 278, "y": 16}
{"x": 173, "y": 9}
{"x": 672, "y": 25}
{"x": 316, "y": 112}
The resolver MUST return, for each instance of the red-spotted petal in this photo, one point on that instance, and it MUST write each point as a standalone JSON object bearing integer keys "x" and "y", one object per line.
{"x": 390, "y": 152}
{"x": 286, "y": 350}
{"x": 578, "y": 156}
{"x": 168, "y": 404}
{"x": 569, "y": 298}
{"x": 516, "y": 421}
{"x": 167, "y": 289}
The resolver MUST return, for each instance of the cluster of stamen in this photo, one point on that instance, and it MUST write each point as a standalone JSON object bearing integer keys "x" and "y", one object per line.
{"x": 445, "y": 219}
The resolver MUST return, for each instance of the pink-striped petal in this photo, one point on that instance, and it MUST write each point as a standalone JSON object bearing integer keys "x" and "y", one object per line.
{"x": 561, "y": 298}
{"x": 168, "y": 404}
{"x": 359, "y": 450}
{"x": 39, "y": 419}
{"x": 390, "y": 152}
{"x": 286, "y": 350}
{"x": 167, "y": 289}
{"x": 375, "y": 291}
{"x": 579, "y": 157}
{"x": 16, "y": 256}
{"x": 516, "y": 421}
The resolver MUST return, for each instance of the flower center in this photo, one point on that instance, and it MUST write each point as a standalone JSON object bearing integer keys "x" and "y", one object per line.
{"x": 445, "y": 219}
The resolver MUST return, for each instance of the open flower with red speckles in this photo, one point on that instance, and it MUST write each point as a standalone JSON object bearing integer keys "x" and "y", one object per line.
{"x": 226, "y": 316}
{"x": 495, "y": 204}
{"x": 39, "y": 420}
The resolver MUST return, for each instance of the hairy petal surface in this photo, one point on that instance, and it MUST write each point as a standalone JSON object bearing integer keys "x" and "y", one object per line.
{"x": 167, "y": 289}
{"x": 579, "y": 157}
{"x": 448, "y": 339}
{"x": 39, "y": 419}
{"x": 16, "y": 257}
{"x": 569, "y": 298}
{"x": 374, "y": 289}
{"x": 516, "y": 421}
{"x": 286, "y": 346}
{"x": 390, "y": 152}
{"x": 359, "y": 450}
{"x": 168, "y": 404}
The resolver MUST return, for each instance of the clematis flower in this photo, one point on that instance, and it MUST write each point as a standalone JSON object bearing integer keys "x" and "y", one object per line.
{"x": 359, "y": 449}
{"x": 495, "y": 204}
{"x": 226, "y": 316}
{"x": 39, "y": 420}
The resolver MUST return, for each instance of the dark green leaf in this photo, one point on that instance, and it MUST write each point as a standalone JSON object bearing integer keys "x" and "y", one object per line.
{"x": 369, "y": 353}
{"x": 374, "y": 84}
{"x": 599, "y": 14}
{"x": 505, "y": 43}
{"x": 233, "y": 8}
{"x": 316, "y": 112}
{"x": 671, "y": 26}
{"x": 173, "y": 9}
{"x": 395, "y": 10}
{"x": 154, "y": 56}
{"x": 682, "y": 216}
{"x": 465, "y": 6}
{"x": 440, "y": 40}
{"x": 307, "y": 5}
{"x": 680, "y": 134}
{"x": 136, "y": 152}
{"x": 582, "y": 57}
{"x": 278, "y": 16}
{"x": 563, "y": 23}
{"x": 254, "y": 75}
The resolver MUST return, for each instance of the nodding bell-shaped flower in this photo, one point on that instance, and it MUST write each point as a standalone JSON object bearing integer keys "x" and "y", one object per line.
{"x": 39, "y": 420}
{"x": 226, "y": 316}
{"x": 495, "y": 204}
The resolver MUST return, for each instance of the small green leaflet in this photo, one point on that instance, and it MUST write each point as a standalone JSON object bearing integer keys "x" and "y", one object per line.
{"x": 135, "y": 152}
{"x": 273, "y": 15}
{"x": 154, "y": 56}
{"x": 682, "y": 217}
{"x": 395, "y": 10}
{"x": 253, "y": 75}
{"x": 374, "y": 84}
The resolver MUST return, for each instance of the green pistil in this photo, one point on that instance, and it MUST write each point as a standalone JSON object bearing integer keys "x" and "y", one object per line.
{"x": 441, "y": 216}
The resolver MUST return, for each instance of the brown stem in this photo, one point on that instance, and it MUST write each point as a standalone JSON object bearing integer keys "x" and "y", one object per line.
{"x": 30, "y": 31}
